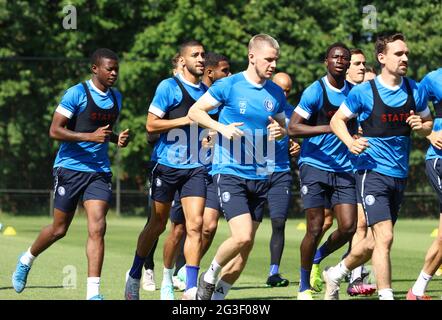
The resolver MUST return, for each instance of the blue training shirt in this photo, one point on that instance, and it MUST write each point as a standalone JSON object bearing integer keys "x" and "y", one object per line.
{"x": 325, "y": 151}
{"x": 84, "y": 156}
{"x": 180, "y": 147}
{"x": 242, "y": 100}
{"x": 282, "y": 160}
{"x": 386, "y": 155}
{"x": 431, "y": 89}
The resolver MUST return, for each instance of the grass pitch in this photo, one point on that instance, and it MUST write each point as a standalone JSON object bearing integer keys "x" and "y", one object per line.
{"x": 61, "y": 271}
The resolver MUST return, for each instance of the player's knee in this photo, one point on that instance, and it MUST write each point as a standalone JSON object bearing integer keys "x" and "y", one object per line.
{"x": 244, "y": 240}
{"x": 315, "y": 231}
{"x": 59, "y": 232}
{"x": 348, "y": 228}
{"x": 179, "y": 230}
{"x": 278, "y": 225}
{"x": 210, "y": 228}
{"x": 97, "y": 230}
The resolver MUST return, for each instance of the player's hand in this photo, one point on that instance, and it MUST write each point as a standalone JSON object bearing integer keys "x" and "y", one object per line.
{"x": 232, "y": 132}
{"x": 358, "y": 146}
{"x": 209, "y": 140}
{"x": 436, "y": 139}
{"x": 414, "y": 121}
{"x": 275, "y": 131}
{"x": 294, "y": 148}
{"x": 101, "y": 135}
{"x": 123, "y": 138}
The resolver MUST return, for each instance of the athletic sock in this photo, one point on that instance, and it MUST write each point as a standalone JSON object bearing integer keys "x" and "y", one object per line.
{"x": 274, "y": 269}
{"x": 191, "y": 276}
{"x": 386, "y": 294}
{"x": 167, "y": 277}
{"x": 421, "y": 284}
{"x": 212, "y": 273}
{"x": 93, "y": 287}
{"x": 137, "y": 267}
{"x": 338, "y": 272}
{"x": 221, "y": 290}
{"x": 304, "y": 283}
{"x": 356, "y": 273}
{"x": 321, "y": 253}
{"x": 27, "y": 258}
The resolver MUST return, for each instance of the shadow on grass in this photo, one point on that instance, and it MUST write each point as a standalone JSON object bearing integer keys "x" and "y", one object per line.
{"x": 35, "y": 287}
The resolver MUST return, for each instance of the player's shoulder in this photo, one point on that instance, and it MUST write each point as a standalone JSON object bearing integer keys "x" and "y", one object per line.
{"x": 432, "y": 76}
{"x": 360, "y": 88}
{"x": 168, "y": 83}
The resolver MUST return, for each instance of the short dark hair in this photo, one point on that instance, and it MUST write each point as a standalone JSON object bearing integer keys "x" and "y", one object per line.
{"x": 189, "y": 43}
{"x": 337, "y": 45}
{"x": 212, "y": 59}
{"x": 175, "y": 59}
{"x": 382, "y": 41}
{"x": 370, "y": 69}
{"x": 356, "y": 51}
{"x": 103, "y": 53}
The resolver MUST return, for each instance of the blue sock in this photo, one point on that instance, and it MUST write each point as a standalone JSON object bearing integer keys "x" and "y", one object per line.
{"x": 137, "y": 267}
{"x": 274, "y": 269}
{"x": 304, "y": 283}
{"x": 321, "y": 253}
{"x": 191, "y": 276}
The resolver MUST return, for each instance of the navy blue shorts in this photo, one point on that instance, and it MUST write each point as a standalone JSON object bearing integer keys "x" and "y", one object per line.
{"x": 187, "y": 182}
{"x": 434, "y": 174}
{"x": 212, "y": 201}
{"x": 176, "y": 211}
{"x": 320, "y": 188}
{"x": 71, "y": 186}
{"x": 279, "y": 194}
{"x": 380, "y": 195}
{"x": 239, "y": 196}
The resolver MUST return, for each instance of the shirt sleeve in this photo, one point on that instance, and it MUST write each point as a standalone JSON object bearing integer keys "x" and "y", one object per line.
{"x": 71, "y": 102}
{"x": 166, "y": 97}
{"x": 310, "y": 101}
{"x": 352, "y": 104}
{"x": 218, "y": 91}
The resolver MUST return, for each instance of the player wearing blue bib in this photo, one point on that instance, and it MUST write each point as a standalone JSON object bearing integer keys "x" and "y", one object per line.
{"x": 327, "y": 180}
{"x": 431, "y": 88}
{"x": 83, "y": 122}
{"x": 216, "y": 67}
{"x": 178, "y": 167}
{"x": 252, "y": 116}
{"x": 388, "y": 109}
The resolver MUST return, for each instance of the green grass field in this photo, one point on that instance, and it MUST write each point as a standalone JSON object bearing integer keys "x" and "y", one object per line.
{"x": 52, "y": 275}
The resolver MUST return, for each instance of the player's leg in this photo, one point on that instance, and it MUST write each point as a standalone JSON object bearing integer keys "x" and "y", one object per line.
{"x": 170, "y": 248}
{"x": 96, "y": 211}
{"x": 193, "y": 198}
{"x": 68, "y": 187}
{"x": 233, "y": 269}
{"x": 278, "y": 198}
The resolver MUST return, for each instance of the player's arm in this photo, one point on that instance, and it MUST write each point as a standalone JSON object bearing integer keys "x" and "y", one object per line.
{"x": 277, "y": 128}
{"x": 58, "y": 131}
{"x": 297, "y": 127}
{"x": 156, "y": 125}
{"x": 338, "y": 124}
{"x": 422, "y": 125}
{"x": 199, "y": 113}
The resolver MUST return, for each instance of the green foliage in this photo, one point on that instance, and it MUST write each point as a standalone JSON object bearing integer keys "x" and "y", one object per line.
{"x": 146, "y": 35}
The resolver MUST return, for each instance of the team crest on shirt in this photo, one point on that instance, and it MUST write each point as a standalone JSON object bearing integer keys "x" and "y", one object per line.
{"x": 304, "y": 190}
{"x": 158, "y": 182}
{"x": 61, "y": 191}
{"x": 369, "y": 200}
{"x": 242, "y": 106}
{"x": 226, "y": 196}
{"x": 268, "y": 104}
